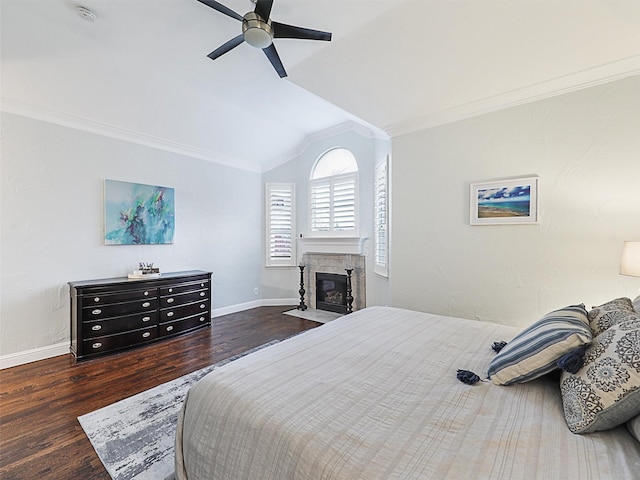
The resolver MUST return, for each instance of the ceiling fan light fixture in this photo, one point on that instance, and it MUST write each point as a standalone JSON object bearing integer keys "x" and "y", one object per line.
{"x": 259, "y": 32}
{"x": 256, "y": 31}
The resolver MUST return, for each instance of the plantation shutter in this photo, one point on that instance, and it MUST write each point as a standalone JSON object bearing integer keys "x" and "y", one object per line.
{"x": 321, "y": 206}
{"x": 333, "y": 204}
{"x": 381, "y": 215}
{"x": 344, "y": 203}
{"x": 280, "y": 228}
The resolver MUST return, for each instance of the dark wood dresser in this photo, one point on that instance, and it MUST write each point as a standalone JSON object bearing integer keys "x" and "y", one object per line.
{"x": 116, "y": 313}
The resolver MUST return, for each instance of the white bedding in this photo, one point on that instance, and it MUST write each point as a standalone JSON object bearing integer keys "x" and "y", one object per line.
{"x": 374, "y": 395}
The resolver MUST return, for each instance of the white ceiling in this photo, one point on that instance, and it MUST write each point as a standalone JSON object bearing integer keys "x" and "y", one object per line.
{"x": 141, "y": 72}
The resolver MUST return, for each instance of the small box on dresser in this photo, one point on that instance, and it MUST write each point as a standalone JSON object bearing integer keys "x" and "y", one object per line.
{"x": 112, "y": 314}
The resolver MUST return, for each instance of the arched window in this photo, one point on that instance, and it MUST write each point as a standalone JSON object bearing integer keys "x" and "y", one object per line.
{"x": 333, "y": 187}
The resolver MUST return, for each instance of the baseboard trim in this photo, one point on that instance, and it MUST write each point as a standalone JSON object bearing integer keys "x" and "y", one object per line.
{"x": 42, "y": 353}
{"x": 275, "y": 302}
{"x": 28, "y": 356}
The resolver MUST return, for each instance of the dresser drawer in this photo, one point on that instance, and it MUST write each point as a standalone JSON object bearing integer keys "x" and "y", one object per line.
{"x": 184, "y": 287}
{"x": 183, "y": 324}
{"x": 182, "y": 298}
{"x": 122, "y": 340}
{"x": 171, "y": 314}
{"x": 115, "y": 309}
{"x": 106, "y": 298}
{"x": 99, "y": 328}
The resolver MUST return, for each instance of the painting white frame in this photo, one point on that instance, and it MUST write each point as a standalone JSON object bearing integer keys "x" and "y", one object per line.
{"x": 503, "y": 202}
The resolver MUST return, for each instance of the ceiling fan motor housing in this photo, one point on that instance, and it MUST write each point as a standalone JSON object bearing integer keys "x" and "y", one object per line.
{"x": 256, "y": 31}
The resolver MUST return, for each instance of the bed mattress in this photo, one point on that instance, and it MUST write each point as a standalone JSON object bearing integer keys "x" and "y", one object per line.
{"x": 374, "y": 395}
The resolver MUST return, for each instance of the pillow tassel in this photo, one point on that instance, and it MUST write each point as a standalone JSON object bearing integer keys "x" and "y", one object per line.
{"x": 573, "y": 361}
{"x": 468, "y": 377}
{"x": 497, "y": 346}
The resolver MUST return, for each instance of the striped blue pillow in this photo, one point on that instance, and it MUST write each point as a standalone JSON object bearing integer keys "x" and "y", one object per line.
{"x": 535, "y": 351}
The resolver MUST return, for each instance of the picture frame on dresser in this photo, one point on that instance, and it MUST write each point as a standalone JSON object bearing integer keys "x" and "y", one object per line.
{"x": 114, "y": 314}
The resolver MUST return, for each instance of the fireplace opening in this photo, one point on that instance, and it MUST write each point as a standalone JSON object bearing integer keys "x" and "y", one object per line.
{"x": 331, "y": 292}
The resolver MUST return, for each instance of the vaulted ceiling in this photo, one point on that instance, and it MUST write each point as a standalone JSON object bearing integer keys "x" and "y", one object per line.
{"x": 140, "y": 71}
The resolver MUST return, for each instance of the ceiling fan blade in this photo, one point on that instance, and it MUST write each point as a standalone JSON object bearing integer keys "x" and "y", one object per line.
{"x": 231, "y": 44}
{"x": 221, "y": 8}
{"x": 282, "y": 30}
{"x": 274, "y": 58}
{"x": 263, "y": 8}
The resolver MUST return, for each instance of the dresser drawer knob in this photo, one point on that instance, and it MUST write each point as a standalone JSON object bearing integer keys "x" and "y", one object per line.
{"x": 202, "y": 319}
{"x": 97, "y": 311}
{"x": 146, "y": 319}
{"x": 146, "y": 294}
{"x": 170, "y": 290}
{"x": 146, "y": 304}
{"x": 96, "y": 345}
{"x": 202, "y": 305}
{"x": 169, "y": 314}
{"x": 202, "y": 284}
{"x": 169, "y": 300}
{"x": 97, "y": 299}
{"x": 202, "y": 294}
{"x": 146, "y": 334}
{"x": 169, "y": 328}
{"x": 95, "y": 328}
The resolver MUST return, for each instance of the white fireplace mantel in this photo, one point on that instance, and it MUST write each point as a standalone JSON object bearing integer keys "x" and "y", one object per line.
{"x": 334, "y": 245}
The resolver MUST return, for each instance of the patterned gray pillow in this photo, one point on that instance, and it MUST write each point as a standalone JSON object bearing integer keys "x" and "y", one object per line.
{"x": 606, "y": 391}
{"x": 611, "y": 313}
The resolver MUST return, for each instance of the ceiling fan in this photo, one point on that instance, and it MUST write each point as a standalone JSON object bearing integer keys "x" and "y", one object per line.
{"x": 258, "y": 30}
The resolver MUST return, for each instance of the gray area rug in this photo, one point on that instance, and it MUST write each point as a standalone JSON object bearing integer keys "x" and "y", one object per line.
{"x": 134, "y": 437}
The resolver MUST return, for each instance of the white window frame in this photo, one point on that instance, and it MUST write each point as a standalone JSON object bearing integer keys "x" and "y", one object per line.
{"x": 330, "y": 183}
{"x": 381, "y": 219}
{"x": 271, "y": 190}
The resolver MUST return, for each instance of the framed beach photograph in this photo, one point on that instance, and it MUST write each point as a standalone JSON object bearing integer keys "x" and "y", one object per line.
{"x": 138, "y": 214}
{"x": 504, "y": 202}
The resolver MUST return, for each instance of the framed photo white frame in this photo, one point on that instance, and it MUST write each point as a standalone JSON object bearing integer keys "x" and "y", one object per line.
{"x": 504, "y": 202}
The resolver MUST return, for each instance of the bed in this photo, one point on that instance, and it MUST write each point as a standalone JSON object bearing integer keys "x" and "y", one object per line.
{"x": 374, "y": 395}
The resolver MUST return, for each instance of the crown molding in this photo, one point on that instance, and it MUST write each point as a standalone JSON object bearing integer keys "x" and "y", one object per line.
{"x": 351, "y": 126}
{"x": 104, "y": 129}
{"x": 601, "y": 74}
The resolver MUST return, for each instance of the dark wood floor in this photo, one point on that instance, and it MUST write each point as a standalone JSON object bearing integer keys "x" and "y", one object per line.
{"x": 40, "y": 437}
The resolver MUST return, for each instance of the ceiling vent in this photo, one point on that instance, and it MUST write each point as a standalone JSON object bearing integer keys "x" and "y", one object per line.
{"x": 85, "y": 13}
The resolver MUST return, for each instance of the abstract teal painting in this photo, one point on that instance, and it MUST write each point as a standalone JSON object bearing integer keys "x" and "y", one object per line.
{"x": 138, "y": 214}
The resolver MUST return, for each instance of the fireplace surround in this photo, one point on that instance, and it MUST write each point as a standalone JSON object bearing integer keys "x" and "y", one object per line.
{"x": 335, "y": 263}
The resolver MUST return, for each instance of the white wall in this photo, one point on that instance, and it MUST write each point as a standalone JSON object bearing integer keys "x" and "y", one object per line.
{"x": 283, "y": 282}
{"x": 52, "y": 224}
{"x": 584, "y": 146}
